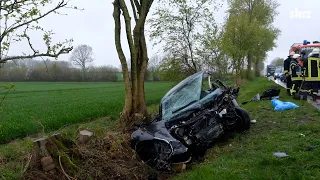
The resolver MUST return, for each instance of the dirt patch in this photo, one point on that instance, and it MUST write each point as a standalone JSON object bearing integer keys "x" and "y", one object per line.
{"x": 108, "y": 157}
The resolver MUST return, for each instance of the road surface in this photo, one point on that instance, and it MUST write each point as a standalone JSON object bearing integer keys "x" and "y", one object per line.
{"x": 316, "y": 105}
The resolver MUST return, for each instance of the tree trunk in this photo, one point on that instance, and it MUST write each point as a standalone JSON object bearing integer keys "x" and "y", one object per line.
{"x": 256, "y": 69}
{"x": 238, "y": 77}
{"x": 249, "y": 65}
{"x": 83, "y": 75}
{"x": 135, "y": 105}
{"x": 127, "y": 108}
{"x": 142, "y": 72}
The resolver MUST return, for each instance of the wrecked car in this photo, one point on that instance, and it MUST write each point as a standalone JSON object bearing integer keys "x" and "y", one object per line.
{"x": 192, "y": 116}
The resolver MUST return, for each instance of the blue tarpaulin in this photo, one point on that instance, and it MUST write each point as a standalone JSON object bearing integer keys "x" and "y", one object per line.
{"x": 280, "y": 106}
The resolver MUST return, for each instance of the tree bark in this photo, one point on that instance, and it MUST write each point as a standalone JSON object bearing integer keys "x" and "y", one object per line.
{"x": 127, "y": 109}
{"x": 142, "y": 73}
{"x": 134, "y": 88}
{"x": 256, "y": 69}
{"x": 249, "y": 66}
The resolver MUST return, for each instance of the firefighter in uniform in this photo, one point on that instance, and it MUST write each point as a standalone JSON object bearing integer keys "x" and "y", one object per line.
{"x": 312, "y": 74}
{"x": 296, "y": 69}
{"x": 286, "y": 68}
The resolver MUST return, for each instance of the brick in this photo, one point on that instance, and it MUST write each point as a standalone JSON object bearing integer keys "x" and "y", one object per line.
{"x": 45, "y": 161}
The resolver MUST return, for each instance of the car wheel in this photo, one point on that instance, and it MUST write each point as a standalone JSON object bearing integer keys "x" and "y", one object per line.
{"x": 244, "y": 121}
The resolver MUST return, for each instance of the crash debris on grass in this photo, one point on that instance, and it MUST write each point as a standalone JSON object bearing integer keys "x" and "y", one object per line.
{"x": 280, "y": 154}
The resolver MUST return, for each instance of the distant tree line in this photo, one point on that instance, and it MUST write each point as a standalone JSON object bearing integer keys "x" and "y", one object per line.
{"x": 62, "y": 71}
{"x": 35, "y": 70}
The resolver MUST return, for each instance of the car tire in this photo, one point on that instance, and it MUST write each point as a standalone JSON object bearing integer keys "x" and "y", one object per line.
{"x": 245, "y": 121}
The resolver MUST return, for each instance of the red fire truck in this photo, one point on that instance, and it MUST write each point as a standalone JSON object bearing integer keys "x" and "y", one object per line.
{"x": 298, "y": 47}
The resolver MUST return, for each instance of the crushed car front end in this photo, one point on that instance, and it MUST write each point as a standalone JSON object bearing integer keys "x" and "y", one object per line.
{"x": 156, "y": 146}
{"x": 153, "y": 140}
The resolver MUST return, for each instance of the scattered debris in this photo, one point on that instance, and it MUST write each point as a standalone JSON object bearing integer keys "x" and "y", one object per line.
{"x": 280, "y": 154}
{"x": 302, "y": 135}
{"x": 271, "y": 93}
{"x": 253, "y": 121}
{"x": 310, "y": 148}
{"x": 255, "y": 98}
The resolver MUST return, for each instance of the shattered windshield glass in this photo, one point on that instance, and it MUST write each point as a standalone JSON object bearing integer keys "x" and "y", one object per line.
{"x": 184, "y": 94}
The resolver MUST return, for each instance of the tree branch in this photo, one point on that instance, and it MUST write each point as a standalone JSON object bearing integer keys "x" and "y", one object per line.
{"x": 117, "y": 22}
{"x": 28, "y": 38}
{"x": 134, "y": 10}
{"x": 127, "y": 19}
{"x": 13, "y": 27}
{"x": 55, "y": 55}
{"x": 136, "y": 2}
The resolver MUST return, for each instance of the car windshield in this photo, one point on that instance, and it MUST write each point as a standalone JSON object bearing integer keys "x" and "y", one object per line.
{"x": 182, "y": 95}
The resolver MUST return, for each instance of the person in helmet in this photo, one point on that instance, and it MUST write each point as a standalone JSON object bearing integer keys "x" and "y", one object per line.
{"x": 286, "y": 71}
{"x": 315, "y": 53}
{"x": 296, "y": 66}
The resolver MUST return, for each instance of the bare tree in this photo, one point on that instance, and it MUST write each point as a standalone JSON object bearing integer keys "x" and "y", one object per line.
{"x": 81, "y": 56}
{"x": 176, "y": 27}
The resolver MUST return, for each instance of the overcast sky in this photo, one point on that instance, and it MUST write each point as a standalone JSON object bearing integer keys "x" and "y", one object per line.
{"x": 94, "y": 26}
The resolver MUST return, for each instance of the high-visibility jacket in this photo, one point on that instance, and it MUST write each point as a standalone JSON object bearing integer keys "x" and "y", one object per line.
{"x": 295, "y": 70}
{"x": 312, "y": 69}
{"x": 286, "y": 65}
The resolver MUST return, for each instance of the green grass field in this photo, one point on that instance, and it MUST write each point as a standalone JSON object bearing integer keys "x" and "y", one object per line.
{"x": 54, "y": 105}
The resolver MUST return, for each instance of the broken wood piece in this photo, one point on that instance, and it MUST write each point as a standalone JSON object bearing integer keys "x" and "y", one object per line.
{"x": 84, "y": 136}
{"x": 179, "y": 167}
